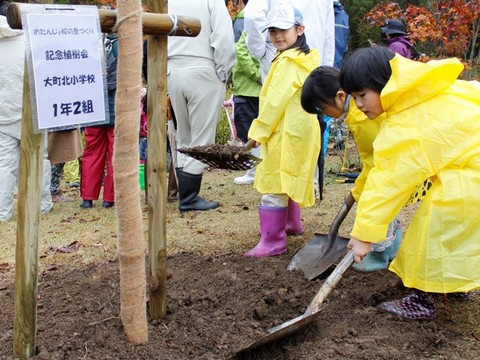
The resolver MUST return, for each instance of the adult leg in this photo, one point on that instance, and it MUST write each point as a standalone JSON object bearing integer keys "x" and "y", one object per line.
{"x": 46, "y": 202}
{"x": 9, "y": 160}
{"x": 93, "y": 164}
{"x": 108, "y": 183}
{"x": 196, "y": 126}
{"x": 246, "y": 110}
{"x": 71, "y": 173}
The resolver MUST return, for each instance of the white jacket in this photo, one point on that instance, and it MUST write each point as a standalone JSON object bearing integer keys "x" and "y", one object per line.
{"x": 319, "y": 20}
{"x": 12, "y": 55}
{"x": 214, "y": 45}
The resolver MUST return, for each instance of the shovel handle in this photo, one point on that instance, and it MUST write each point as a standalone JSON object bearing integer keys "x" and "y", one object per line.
{"x": 330, "y": 283}
{"x": 342, "y": 214}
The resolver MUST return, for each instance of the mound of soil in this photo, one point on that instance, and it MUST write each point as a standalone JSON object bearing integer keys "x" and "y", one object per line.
{"x": 218, "y": 305}
{"x": 223, "y": 156}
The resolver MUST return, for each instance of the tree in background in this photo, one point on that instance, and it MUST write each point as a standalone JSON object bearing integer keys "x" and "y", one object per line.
{"x": 438, "y": 28}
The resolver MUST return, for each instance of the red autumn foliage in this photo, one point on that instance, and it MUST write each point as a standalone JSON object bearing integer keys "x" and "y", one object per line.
{"x": 443, "y": 28}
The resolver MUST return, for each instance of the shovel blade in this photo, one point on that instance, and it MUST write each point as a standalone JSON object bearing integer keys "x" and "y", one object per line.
{"x": 318, "y": 255}
{"x": 281, "y": 331}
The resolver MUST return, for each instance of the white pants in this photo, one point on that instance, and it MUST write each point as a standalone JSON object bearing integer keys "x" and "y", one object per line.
{"x": 197, "y": 95}
{"x": 275, "y": 200}
{"x": 9, "y": 164}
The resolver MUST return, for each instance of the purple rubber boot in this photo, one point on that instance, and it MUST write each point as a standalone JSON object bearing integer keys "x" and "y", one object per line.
{"x": 418, "y": 305}
{"x": 294, "y": 222}
{"x": 273, "y": 238}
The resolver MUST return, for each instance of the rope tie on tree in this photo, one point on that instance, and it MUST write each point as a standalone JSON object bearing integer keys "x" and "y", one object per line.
{"x": 174, "y": 19}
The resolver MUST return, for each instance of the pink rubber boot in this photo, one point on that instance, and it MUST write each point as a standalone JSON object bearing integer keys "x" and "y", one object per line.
{"x": 273, "y": 238}
{"x": 294, "y": 222}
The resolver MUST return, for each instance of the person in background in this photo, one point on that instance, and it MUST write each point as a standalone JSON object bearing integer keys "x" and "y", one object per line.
{"x": 246, "y": 81}
{"x": 71, "y": 173}
{"x": 319, "y": 29}
{"x": 246, "y": 88}
{"x": 239, "y": 19}
{"x": 142, "y": 134}
{"x": 98, "y": 155}
{"x": 290, "y": 138}
{"x": 55, "y": 184}
{"x": 396, "y": 38}
{"x": 342, "y": 30}
{"x": 63, "y": 146}
{"x": 431, "y": 130}
{"x": 12, "y": 58}
{"x": 198, "y": 70}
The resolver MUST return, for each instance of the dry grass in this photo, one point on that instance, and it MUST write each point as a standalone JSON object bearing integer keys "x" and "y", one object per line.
{"x": 72, "y": 234}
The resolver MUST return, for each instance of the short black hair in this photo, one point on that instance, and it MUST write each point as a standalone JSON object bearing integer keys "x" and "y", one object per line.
{"x": 366, "y": 68}
{"x": 320, "y": 88}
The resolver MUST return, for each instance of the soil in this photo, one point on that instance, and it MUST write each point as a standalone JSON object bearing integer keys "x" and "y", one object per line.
{"x": 218, "y": 305}
{"x": 223, "y": 156}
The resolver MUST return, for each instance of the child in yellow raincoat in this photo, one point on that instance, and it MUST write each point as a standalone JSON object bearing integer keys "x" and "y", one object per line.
{"x": 431, "y": 129}
{"x": 321, "y": 92}
{"x": 289, "y": 136}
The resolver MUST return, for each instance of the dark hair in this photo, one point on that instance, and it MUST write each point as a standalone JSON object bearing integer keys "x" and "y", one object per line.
{"x": 366, "y": 68}
{"x": 301, "y": 44}
{"x": 320, "y": 88}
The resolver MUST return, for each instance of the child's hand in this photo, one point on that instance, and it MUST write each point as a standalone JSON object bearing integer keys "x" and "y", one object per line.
{"x": 253, "y": 143}
{"x": 360, "y": 248}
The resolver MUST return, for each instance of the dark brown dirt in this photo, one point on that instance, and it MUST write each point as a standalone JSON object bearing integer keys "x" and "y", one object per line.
{"x": 217, "y": 305}
{"x": 223, "y": 156}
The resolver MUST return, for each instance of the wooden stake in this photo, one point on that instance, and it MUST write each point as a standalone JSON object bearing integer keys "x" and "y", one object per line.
{"x": 156, "y": 168}
{"x": 26, "y": 255}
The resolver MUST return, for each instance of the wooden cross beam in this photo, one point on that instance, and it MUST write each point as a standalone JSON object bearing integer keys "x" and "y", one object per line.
{"x": 153, "y": 24}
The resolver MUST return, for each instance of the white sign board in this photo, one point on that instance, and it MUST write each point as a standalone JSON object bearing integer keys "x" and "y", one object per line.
{"x": 66, "y": 77}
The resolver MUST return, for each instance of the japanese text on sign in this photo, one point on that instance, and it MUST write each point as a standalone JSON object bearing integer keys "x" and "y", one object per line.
{"x": 68, "y": 80}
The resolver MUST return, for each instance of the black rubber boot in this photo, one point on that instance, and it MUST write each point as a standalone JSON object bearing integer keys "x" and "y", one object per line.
{"x": 188, "y": 189}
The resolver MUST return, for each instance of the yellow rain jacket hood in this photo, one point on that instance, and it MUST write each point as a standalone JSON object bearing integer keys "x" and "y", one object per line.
{"x": 431, "y": 130}
{"x": 290, "y": 137}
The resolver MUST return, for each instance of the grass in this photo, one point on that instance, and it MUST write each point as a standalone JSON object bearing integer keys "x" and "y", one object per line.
{"x": 70, "y": 234}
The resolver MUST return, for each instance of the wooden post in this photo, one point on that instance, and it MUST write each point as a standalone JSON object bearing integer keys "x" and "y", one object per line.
{"x": 26, "y": 255}
{"x": 156, "y": 167}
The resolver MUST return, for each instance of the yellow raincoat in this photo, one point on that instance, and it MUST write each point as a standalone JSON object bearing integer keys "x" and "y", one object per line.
{"x": 364, "y": 132}
{"x": 290, "y": 137}
{"x": 431, "y": 130}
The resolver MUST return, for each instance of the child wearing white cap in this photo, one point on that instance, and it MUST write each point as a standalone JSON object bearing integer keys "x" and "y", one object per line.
{"x": 289, "y": 136}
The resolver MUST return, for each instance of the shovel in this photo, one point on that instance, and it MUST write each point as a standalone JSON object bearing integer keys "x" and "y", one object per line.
{"x": 323, "y": 250}
{"x": 224, "y": 156}
{"x": 312, "y": 311}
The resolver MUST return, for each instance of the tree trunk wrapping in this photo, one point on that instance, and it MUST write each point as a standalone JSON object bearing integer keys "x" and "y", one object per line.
{"x": 131, "y": 242}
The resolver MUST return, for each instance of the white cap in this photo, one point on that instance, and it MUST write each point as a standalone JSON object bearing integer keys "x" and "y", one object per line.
{"x": 283, "y": 16}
